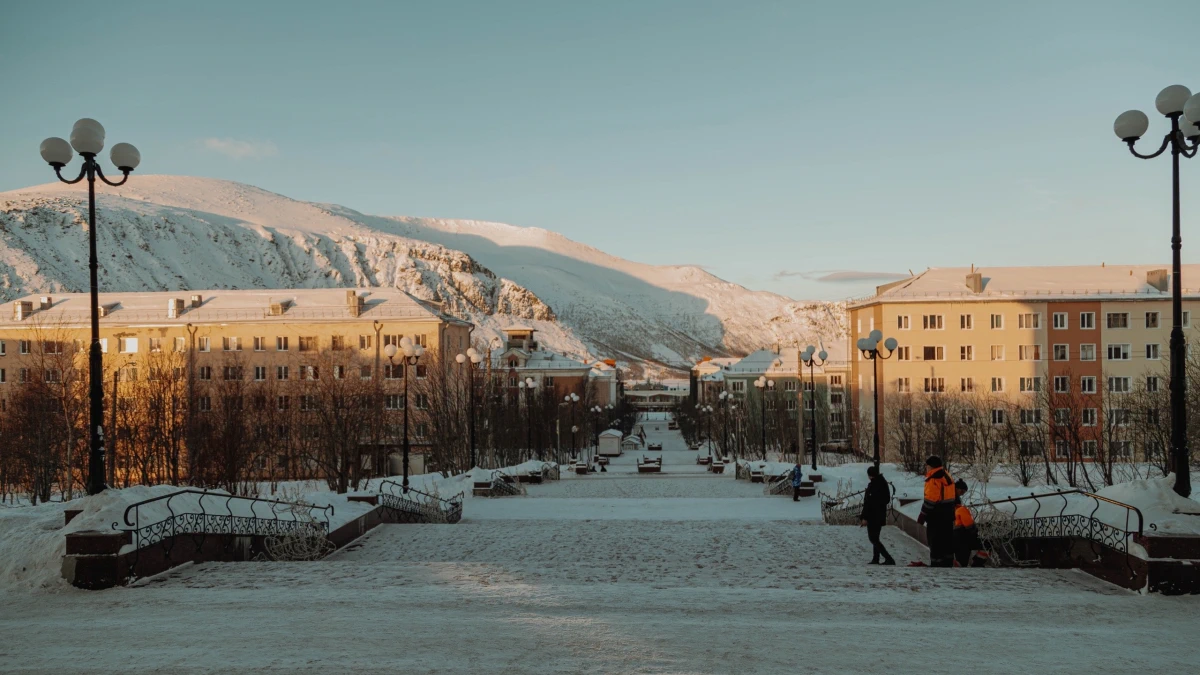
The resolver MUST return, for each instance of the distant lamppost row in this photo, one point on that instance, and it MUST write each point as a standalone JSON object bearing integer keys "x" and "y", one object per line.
{"x": 528, "y": 385}
{"x": 87, "y": 138}
{"x": 724, "y": 399}
{"x": 806, "y": 357}
{"x": 471, "y": 360}
{"x": 763, "y": 385}
{"x": 869, "y": 346}
{"x": 1177, "y": 103}
{"x": 410, "y": 353}
{"x": 571, "y": 399}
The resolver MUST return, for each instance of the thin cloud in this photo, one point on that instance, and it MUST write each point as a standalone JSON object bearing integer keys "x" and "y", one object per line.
{"x": 839, "y": 276}
{"x": 237, "y": 149}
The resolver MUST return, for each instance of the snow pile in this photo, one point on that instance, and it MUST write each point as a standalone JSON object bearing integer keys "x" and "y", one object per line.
{"x": 1158, "y": 503}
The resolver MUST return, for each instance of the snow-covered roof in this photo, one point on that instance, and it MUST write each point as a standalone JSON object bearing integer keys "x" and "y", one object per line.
{"x": 1093, "y": 282}
{"x": 540, "y": 359}
{"x": 784, "y": 363}
{"x": 611, "y": 433}
{"x": 227, "y": 306}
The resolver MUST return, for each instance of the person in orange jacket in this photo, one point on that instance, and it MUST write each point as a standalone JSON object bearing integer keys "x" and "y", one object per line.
{"x": 937, "y": 513}
{"x": 968, "y": 549}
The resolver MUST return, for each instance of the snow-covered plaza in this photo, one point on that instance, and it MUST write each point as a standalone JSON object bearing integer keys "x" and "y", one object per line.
{"x": 682, "y": 572}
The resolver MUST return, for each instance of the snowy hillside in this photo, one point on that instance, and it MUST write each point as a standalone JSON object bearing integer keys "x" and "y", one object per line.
{"x": 174, "y": 232}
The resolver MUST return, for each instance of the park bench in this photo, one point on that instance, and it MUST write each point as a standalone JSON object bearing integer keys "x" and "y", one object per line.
{"x": 703, "y": 459}
{"x": 647, "y": 465}
{"x": 482, "y": 488}
{"x": 581, "y": 469}
{"x": 717, "y": 466}
{"x": 602, "y": 459}
{"x": 756, "y": 475}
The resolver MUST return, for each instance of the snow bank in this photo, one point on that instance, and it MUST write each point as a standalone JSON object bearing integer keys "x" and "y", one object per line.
{"x": 1158, "y": 503}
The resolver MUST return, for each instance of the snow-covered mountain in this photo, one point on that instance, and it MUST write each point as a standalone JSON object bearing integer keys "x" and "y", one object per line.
{"x": 174, "y": 232}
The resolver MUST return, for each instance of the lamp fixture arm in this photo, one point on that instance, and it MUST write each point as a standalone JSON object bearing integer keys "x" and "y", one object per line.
{"x": 1161, "y": 149}
{"x": 100, "y": 173}
{"x": 82, "y": 174}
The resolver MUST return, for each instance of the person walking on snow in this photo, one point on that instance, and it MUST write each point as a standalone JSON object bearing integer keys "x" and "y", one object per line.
{"x": 797, "y": 479}
{"x": 874, "y": 514}
{"x": 937, "y": 513}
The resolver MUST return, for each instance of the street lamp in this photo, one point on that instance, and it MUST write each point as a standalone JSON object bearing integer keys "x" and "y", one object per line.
{"x": 474, "y": 358}
{"x": 1183, "y": 110}
{"x": 571, "y": 399}
{"x": 528, "y": 385}
{"x": 763, "y": 385}
{"x": 410, "y": 353}
{"x": 869, "y": 346}
{"x": 806, "y": 357}
{"x": 87, "y": 138}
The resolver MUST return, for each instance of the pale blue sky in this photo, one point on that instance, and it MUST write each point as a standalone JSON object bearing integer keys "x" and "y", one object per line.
{"x": 767, "y": 141}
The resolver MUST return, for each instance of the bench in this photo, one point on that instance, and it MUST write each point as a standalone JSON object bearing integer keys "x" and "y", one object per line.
{"x": 531, "y": 477}
{"x": 756, "y": 475}
{"x": 602, "y": 459}
{"x": 482, "y": 488}
{"x": 647, "y": 465}
{"x": 703, "y": 459}
{"x": 582, "y": 469}
{"x": 717, "y": 467}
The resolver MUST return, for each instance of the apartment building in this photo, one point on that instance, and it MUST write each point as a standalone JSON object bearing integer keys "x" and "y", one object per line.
{"x": 521, "y": 356}
{"x": 1025, "y": 333}
{"x": 216, "y": 338}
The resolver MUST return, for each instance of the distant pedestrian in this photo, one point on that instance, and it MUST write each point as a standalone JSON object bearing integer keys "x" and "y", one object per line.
{"x": 797, "y": 479}
{"x": 968, "y": 549}
{"x": 937, "y": 513}
{"x": 876, "y": 500}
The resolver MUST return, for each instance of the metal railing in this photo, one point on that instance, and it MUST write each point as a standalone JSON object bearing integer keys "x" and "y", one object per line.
{"x": 199, "y": 513}
{"x": 1063, "y": 524}
{"x": 845, "y": 509}
{"x": 417, "y": 506}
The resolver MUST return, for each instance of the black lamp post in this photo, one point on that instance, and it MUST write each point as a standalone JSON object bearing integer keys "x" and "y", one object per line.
{"x": 471, "y": 360}
{"x": 410, "y": 353}
{"x": 572, "y": 399}
{"x": 763, "y": 385}
{"x": 807, "y": 359}
{"x": 1183, "y": 110}
{"x": 87, "y": 138}
{"x": 869, "y": 346}
{"x": 528, "y": 385}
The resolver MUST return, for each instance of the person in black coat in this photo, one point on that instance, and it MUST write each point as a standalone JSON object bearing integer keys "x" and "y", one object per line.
{"x": 874, "y": 514}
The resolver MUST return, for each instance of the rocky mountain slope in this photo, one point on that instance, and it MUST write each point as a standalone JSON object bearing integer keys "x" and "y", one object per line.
{"x": 174, "y": 232}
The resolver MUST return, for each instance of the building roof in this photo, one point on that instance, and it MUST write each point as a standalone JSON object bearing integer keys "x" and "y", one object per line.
{"x": 540, "y": 359}
{"x": 609, "y": 433}
{"x": 784, "y": 363}
{"x": 229, "y": 306}
{"x": 1092, "y": 282}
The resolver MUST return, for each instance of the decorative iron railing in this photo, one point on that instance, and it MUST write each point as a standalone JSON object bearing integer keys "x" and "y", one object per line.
{"x": 845, "y": 509}
{"x": 200, "y": 513}
{"x": 1080, "y": 523}
{"x": 416, "y": 506}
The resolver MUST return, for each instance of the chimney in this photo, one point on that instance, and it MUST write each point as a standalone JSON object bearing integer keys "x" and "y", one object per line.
{"x": 105, "y": 310}
{"x": 354, "y": 302}
{"x": 975, "y": 281}
{"x": 22, "y": 309}
{"x": 278, "y": 308}
{"x": 197, "y": 300}
{"x": 47, "y": 302}
{"x": 1158, "y": 279}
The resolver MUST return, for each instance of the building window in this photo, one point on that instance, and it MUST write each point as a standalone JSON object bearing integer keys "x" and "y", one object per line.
{"x": 1118, "y": 352}
{"x": 24, "y": 376}
{"x": 231, "y": 344}
{"x": 791, "y": 404}
{"x": 966, "y": 321}
{"x": 997, "y": 385}
{"x": 1152, "y": 352}
{"x": 905, "y": 416}
{"x": 282, "y": 372}
{"x": 52, "y": 375}
{"x": 337, "y": 343}
{"x": 391, "y": 340}
{"x": 283, "y": 402}
{"x": 422, "y": 372}
{"x": 1062, "y": 416}
{"x": 548, "y": 382}
{"x": 1151, "y": 319}
{"x": 308, "y": 403}
{"x": 932, "y": 322}
{"x": 232, "y": 372}
{"x": 1031, "y": 416}
{"x": 835, "y": 399}
{"x": 1118, "y": 385}
{"x": 1029, "y": 352}
{"x": 997, "y": 416}
{"x": 394, "y": 402}
{"x": 3, "y": 377}
{"x": 364, "y": 341}
{"x": 1087, "y": 320}
{"x": 968, "y": 417}
{"x": 1089, "y": 448}
{"x": 835, "y": 380}
{"x": 1030, "y": 385}
{"x": 1029, "y": 321}
{"x": 24, "y": 346}
{"x": 393, "y": 371}
{"x": 935, "y": 385}
{"x": 935, "y": 416}
{"x": 737, "y": 385}
{"x": 260, "y": 373}
{"x": 1060, "y": 450}
{"x": 155, "y": 345}
{"x": 1087, "y": 384}
{"x": 1117, "y": 320}
{"x": 204, "y": 403}
{"x": 903, "y": 354}
{"x": 1061, "y": 353}
{"x": 260, "y": 344}
{"x": 1122, "y": 448}
{"x": 3, "y": 348}
{"x": 1087, "y": 352}
{"x": 967, "y": 384}
{"x": 997, "y": 321}
{"x": 339, "y": 372}
{"x": 364, "y": 372}
{"x": 789, "y": 385}
{"x": 203, "y": 344}
{"x": 205, "y": 372}
{"x": 1060, "y": 320}
{"x": 1118, "y": 417}
{"x": 934, "y": 353}
{"x": 966, "y": 353}
{"x": 1152, "y": 383}
{"x": 52, "y": 347}
{"x": 310, "y": 373}
{"x": 180, "y": 345}
{"x": 1088, "y": 417}
{"x": 422, "y": 401}
{"x": 1062, "y": 384}
{"x": 127, "y": 345}
{"x": 308, "y": 343}
{"x": 997, "y": 352}
{"x": 281, "y": 343}
{"x": 902, "y": 322}
{"x": 903, "y": 386}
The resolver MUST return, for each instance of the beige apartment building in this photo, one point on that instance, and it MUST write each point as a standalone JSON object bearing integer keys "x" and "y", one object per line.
{"x": 216, "y": 338}
{"x": 1093, "y": 334}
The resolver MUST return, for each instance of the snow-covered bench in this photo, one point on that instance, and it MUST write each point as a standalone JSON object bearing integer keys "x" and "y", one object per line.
{"x": 703, "y": 459}
{"x": 717, "y": 466}
{"x": 647, "y": 465}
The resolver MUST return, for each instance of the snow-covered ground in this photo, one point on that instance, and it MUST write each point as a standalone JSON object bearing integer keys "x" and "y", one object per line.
{"x": 608, "y": 573}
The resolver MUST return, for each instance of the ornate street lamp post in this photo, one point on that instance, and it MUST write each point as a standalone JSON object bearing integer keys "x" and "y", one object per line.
{"x": 807, "y": 359}
{"x": 571, "y": 399}
{"x": 471, "y": 360}
{"x": 410, "y": 353}
{"x": 869, "y": 346}
{"x": 763, "y": 385}
{"x": 1183, "y": 110}
{"x": 528, "y": 385}
{"x": 87, "y": 138}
